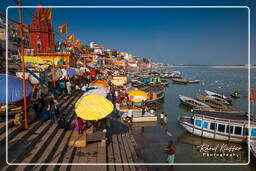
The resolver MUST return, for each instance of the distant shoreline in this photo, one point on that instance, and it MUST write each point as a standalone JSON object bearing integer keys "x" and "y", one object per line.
{"x": 231, "y": 66}
{"x": 214, "y": 66}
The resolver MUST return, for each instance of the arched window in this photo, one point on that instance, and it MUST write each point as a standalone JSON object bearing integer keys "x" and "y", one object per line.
{"x": 39, "y": 45}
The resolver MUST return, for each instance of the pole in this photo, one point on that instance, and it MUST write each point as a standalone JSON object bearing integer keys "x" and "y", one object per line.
{"x": 52, "y": 37}
{"x": 53, "y": 73}
{"x": 23, "y": 68}
{"x": 252, "y": 108}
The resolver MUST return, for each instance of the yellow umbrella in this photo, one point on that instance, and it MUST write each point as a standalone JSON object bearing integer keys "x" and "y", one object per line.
{"x": 137, "y": 96}
{"x": 93, "y": 107}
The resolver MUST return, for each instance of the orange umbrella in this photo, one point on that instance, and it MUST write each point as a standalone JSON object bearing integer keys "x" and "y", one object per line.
{"x": 100, "y": 83}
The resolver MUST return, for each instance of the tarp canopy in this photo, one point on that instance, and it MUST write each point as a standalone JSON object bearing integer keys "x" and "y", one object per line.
{"x": 137, "y": 96}
{"x": 71, "y": 72}
{"x": 15, "y": 89}
{"x": 93, "y": 107}
{"x": 100, "y": 92}
{"x": 100, "y": 83}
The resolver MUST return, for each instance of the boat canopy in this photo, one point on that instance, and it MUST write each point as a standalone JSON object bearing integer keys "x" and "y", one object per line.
{"x": 154, "y": 89}
{"x": 233, "y": 116}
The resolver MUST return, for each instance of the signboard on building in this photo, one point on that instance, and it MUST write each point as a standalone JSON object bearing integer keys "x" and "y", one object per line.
{"x": 119, "y": 80}
{"x": 45, "y": 59}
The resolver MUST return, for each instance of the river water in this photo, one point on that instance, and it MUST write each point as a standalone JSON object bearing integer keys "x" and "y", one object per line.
{"x": 152, "y": 139}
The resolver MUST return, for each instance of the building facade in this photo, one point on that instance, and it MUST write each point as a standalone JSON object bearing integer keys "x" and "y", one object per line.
{"x": 41, "y": 33}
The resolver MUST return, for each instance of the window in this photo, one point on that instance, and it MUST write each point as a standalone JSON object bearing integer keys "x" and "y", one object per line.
{"x": 205, "y": 125}
{"x": 253, "y": 133}
{"x": 198, "y": 123}
{"x": 39, "y": 45}
{"x": 212, "y": 126}
{"x": 221, "y": 128}
{"x": 238, "y": 130}
{"x": 231, "y": 129}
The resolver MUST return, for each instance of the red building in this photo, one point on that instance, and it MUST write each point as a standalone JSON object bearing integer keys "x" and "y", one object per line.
{"x": 41, "y": 33}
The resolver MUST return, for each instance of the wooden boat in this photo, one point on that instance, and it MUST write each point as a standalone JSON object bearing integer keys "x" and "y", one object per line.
{"x": 125, "y": 109}
{"x": 154, "y": 94}
{"x": 13, "y": 109}
{"x": 220, "y": 100}
{"x": 163, "y": 83}
{"x": 211, "y": 102}
{"x": 179, "y": 81}
{"x": 165, "y": 76}
{"x": 235, "y": 95}
{"x": 176, "y": 74}
{"x": 192, "y": 103}
{"x": 224, "y": 127}
{"x": 194, "y": 81}
{"x": 210, "y": 93}
{"x": 137, "y": 117}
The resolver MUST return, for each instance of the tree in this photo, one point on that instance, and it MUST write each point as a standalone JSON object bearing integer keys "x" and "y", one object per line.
{"x": 145, "y": 60}
{"x": 115, "y": 53}
{"x": 106, "y": 54}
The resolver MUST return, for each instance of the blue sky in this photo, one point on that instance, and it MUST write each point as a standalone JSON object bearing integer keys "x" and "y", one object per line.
{"x": 179, "y": 36}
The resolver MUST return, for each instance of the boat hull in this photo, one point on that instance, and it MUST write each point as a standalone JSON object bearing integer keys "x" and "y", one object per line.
{"x": 209, "y": 134}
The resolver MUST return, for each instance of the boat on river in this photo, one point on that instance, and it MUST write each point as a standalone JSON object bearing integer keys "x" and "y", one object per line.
{"x": 138, "y": 117}
{"x": 220, "y": 96}
{"x": 154, "y": 94}
{"x": 192, "y": 103}
{"x": 235, "y": 95}
{"x": 219, "y": 126}
{"x": 194, "y": 81}
{"x": 162, "y": 83}
{"x": 179, "y": 81}
{"x": 211, "y": 102}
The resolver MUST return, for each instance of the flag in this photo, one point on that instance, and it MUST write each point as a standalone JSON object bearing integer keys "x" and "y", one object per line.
{"x": 63, "y": 28}
{"x": 252, "y": 95}
{"x": 77, "y": 43}
{"x": 47, "y": 15}
{"x": 71, "y": 38}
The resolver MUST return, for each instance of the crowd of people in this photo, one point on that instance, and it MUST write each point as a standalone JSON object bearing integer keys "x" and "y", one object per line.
{"x": 47, "y": 106}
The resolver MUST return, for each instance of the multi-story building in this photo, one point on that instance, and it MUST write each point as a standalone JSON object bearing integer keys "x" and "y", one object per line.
{"x": 41, "y": 33}
{"x": 13, "y": 36}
